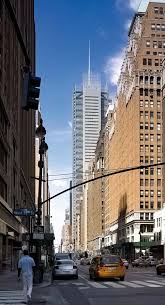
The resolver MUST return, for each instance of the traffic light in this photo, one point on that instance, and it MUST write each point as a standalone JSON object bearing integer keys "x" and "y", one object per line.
{"x": 31, "y": 91}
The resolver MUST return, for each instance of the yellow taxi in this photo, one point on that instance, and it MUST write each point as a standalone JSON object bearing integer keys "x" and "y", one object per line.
{"x": 107, "y": 266}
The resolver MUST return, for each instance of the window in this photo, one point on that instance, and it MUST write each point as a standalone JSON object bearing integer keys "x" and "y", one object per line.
{"x": 148, "y": 43}
{"x": 141, "y": 148}
{"x": 159, "y": 171}
{"x": 151, "y": 115}
{"x": 141, "y": 205}
{"x": 141, "y": 114}
{"x": 159, "y": 205}
{"x": 159, "y": 193}
{"x": 151, "y": 160}
{"x": 148, "y": 52}
{"x": 146, "y": 159}
{"x": 151, "y": 103}
{"x": 141, "y": 182}
{"x": 151, "y": 193}
{"x": 141, "y": 125}
{"x": 146, "y": 137}
{"x": 146, "y": 115}
{"x": 146, "y": 92}
{"x": 151, "y": 80}
{"x": 146, "y": 171}
{"x": 141, "y": 91}
{"x": 158, "y": 115}
{"x": 146, "y": 193}
{"x": 146, "y": 125}
{"x": 151, "y": 148}
{"x": 146, "y": 148}
{"x": 151, "y": 204}
{"x": 156, "y": 10}
{"x": 158, "y": 92}
{"x": 147, "y": 216}
{"x": 144, "y": 61}
{"x": 161, "y": 10}
{"x": 146, "y": 103}
{"x": 141, "y": 159}
{"x": 141, "y": 79}
{"x": 141, "y": 137}
{"x": 151, "y": 126}
{"x": 141, "y": 193}
{"x": 158, "y": 126}
{"x": 155, "y": 44}
{"x": 151, "y": 137}
{"x": 141, "y": 216}
{"x": 3, "y": 189}
{"x": 151, "y": 171}
{"x": 149, "y": 61}
{"x": 141, "y": 171}
{"x": 158, "y": 80}
{"x": 141, "y": 103}
{"x": 158, "y": 27}
{"x": 152, "y": 182}
{"x": 152, "y": 26}
{"x": 158, "y": 137}
{"x": 146, "y": 80}
{"x": 158, "y": 104}
{"x": 159, "y": 182}
{"x": 155, "y": 53}
{"x": 146, "y": 205}
{"x": 146, "y": 182}
{"x": 156, "y": 62}
{"x": 159, "y": 148}
{"x": 159, "y": 44}
{"x": 163, "y": 28}
{"x": 159, "y": 159}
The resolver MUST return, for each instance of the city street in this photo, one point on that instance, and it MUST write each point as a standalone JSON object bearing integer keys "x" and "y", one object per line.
{"x": 141, "y": 286}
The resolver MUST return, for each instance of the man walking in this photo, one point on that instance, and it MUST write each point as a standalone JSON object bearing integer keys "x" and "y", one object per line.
{"x": 26, "y": 265}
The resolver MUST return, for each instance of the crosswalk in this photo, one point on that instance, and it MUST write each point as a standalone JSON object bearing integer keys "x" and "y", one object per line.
{"x": 11, "y": 297}
{"x": 123, "y": 285}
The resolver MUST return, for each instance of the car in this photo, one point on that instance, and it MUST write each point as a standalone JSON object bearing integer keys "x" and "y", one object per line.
{"x": 65, "y": 268}
{"x": 160, "y": 268}
{"x": 59, "y": 256}
{"x": 126, "y": 264}
{"x": 152, "y": 261}
{"x": 107, "y": 266}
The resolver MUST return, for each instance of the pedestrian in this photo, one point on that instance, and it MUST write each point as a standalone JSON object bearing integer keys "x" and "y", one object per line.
{"x": 26, "y": 266}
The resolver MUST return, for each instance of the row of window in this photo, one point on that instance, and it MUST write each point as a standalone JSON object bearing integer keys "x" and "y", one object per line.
{"x": 157, "y": 35}
{"x": 149, "y": 80}
{"x": 158, "y": 222}
{"x": 146, "y": 205}
{"x": 146, "y": 228}
{"x": 147, "y": 92}
{"x": 146, "y": 216}
{"x": 147, "y": 148}
{"x": 146, "y": 137}
{"x": 155, "y": 44}
{"x": 157, "y": 27}
{"x": 147, "y": 192}
{"x": 146, "y": 126}
{"x": 149, "y": 114}
{"x": 150, "y": 103}
{"x": 155, "y": 53}
{"x": 146, "y": 159}
{"x": 148, "y": 62}
{"x": 158, "y": 10}
{"x": 150, "y": 170}
{"x": 150, "y": 182}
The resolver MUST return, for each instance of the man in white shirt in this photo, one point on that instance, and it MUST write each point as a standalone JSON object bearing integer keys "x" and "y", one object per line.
{"x": 26, "y": 265}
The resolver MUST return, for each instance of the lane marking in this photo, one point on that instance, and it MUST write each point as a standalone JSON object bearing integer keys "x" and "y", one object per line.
{"x": 130, "y": 284}
{"x": 96, "y": 285}
{"x": 156, "y": 282}
{"x": 146, "y": 284}
{"x": 114, "y": 285}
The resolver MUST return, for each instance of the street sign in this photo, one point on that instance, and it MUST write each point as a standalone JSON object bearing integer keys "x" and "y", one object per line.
{"x": 38, "y": 229}
{"x": 23, "y": 212}
{"x": 39, "y": 236}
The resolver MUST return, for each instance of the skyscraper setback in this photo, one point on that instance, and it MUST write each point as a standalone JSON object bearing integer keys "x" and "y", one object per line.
{"x": 89, "y": 107}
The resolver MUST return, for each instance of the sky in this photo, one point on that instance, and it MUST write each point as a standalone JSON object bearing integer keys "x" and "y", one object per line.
{"x": 63, "y": 31}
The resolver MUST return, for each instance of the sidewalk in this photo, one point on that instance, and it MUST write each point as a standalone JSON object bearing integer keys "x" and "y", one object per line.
{"x": 9, "y": 281}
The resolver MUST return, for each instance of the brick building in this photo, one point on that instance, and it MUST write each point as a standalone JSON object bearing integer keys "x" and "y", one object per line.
{"x": 17, "y": 127}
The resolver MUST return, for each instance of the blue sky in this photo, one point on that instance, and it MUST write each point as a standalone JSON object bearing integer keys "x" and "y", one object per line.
{"x": 63, "y": 29}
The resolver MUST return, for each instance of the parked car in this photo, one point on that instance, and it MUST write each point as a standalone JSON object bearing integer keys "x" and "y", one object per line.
{"x": 107, "y": 266}
{"x": 140, "y": 262}
{"x": 126, "y": 264}
{"x": 160, "y": 268}
{"x": 152, "y": 261}
{"x": 65, "y": 268}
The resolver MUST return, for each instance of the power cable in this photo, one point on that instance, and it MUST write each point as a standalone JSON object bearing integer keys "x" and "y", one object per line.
{"x": 124, "y": 170}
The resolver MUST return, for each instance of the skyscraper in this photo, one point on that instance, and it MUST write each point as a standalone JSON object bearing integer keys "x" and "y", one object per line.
{"x": 89, "y": 106}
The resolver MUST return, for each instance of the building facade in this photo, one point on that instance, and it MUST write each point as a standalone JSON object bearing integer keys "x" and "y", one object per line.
{"x": 89, "y": 107}
{"x": 17, "y": 127}
{"x": 135, "y": 134}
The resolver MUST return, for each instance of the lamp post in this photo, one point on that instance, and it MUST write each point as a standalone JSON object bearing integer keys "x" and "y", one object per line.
{"x": 40, "y": 133}
{"x": 140, "y": 243}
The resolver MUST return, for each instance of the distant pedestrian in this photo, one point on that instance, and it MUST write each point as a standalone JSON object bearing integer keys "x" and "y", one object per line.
{"x": 26, "y": 266}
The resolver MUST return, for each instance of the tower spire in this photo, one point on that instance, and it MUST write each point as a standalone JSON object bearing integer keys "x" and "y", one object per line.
{"x": 89, "y": 63}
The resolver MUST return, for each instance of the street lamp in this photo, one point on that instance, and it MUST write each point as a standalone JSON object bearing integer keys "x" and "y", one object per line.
{"x": 40, "y": 133}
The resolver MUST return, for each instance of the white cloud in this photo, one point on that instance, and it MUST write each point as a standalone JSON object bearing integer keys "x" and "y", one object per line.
{"x": 113, "y": 67}
{"x": 134, "y": 4}
{"x": 127, "y": 24}
{"x": 70, "y": 124}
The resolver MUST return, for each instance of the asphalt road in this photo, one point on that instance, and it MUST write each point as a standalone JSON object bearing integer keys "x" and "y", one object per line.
{"x": 141, "y": 287}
